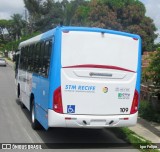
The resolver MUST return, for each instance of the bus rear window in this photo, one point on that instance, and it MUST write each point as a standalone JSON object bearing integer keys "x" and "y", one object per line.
{"x": 82, "y": 48}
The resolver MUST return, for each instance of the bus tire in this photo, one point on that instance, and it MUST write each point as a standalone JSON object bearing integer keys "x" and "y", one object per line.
{"x": 18, "y": 91}
{"x": 35, "y": 124}
{"x": 22, "y": 105}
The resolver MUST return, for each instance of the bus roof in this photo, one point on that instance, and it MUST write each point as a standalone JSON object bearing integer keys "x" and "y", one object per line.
{"x": 50, "y": 33}
{"x": 43, "y": 36}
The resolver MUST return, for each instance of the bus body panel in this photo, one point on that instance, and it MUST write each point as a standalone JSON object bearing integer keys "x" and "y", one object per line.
{"x": 35, "y": 84}
{"x": 24, "y": 80}
{"x": 97, "y": 96}
{"x": 41, "y": 98}
{"x": 98, "y": 76}
{"x": 90, "y": 121}
{"x": 55, "y": 67}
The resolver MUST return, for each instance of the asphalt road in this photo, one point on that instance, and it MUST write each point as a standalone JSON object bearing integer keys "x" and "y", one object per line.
{"x": 15, "y": 126}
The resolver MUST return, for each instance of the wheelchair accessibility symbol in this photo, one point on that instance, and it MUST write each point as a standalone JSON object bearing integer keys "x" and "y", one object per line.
{"x": 70, "y": 108}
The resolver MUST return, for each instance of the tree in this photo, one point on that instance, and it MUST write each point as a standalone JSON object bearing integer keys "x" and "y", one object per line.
{"x": 44, "y": 15}
{"x": 102, "y": 16}
{"x": 124, "y": 15}
{"x": 18, "y": 25}
{"x": 34, "y": 8}
{"x": 152, "y": 73}
{"x": 5, "y": 32}
{"x": 3, "y": 25}
{"x": 72, "y": 9}
{"x": 81, "y": 15}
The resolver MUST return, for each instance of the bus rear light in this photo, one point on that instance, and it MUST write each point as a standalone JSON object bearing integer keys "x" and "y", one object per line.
{"x": 126, "y": 118}
{"x": 68, "y": 118}
{"x": 57, "y": 101}
{"x": 134, "y": 107}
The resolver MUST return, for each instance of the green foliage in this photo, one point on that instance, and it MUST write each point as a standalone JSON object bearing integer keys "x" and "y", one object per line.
{"x": 76, "y": 12}
{"x": 81, "y": 15}
{"x": 157, "y": 46}
{"x": 147, "y": 112}
{"x": 153, "y": 70}
{"x": 5, "y": 25}
{"x": 13, "y": 45}
{"x": 18, "y": 25}
{"x": 102, "y": 16}
{"x": 11, "y": 30}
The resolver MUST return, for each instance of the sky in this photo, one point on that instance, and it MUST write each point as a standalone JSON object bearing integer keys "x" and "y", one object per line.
{"x": 10, "y": 7}
{"x": 153, "y": 11}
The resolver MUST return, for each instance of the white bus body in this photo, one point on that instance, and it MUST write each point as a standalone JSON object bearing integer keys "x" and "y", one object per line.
{"x": 93, "y": 82}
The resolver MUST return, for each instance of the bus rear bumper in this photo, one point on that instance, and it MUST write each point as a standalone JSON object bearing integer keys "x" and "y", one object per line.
{"x": 90, "y": 121}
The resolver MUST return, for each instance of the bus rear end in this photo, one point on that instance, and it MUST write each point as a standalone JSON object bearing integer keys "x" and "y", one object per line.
{"x": 100, "y": 79}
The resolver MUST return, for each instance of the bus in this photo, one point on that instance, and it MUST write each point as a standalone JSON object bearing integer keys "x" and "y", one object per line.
{"x": 80, "y": 77}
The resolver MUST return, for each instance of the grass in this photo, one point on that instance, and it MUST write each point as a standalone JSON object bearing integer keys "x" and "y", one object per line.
{"x": 131, "y": 137}
{"x": 146, "y": 111}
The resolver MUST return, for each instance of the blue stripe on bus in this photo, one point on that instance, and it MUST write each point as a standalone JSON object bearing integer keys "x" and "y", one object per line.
{"x": 139, "y": 66}
{"x": 138, "y": 82}
{"x": 70, "y": 28}
{"x": 48, "y": 34}
{"x": 55, "y": 66}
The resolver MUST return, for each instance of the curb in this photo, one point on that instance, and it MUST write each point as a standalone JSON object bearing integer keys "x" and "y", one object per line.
{"x": 149, "y": 126}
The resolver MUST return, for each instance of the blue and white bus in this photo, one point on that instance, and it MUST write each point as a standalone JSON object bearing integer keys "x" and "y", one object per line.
{"x": 80, "y": 77}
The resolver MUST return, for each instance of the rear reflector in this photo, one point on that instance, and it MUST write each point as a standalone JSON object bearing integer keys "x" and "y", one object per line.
{"x": 67, "y": 118}
{"x": 70, "y": 118}
{"x": 57, "y": 101}
{"x": 134, "y": 107}
{"x": 124, "y": 118}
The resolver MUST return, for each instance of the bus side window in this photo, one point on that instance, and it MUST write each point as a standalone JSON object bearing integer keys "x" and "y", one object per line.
{"x": 41, "y": 70}
{"x": 29, "y": 59}
{"x": 36, "y": 65}
{"x": 25, "y": 62}
{"x": 38, "y": 58}
{"x": 33, "y": 58}
{"x": 21, "y": 58}
{"x": 16, "y": 63}
{"x": 46, "y": 58}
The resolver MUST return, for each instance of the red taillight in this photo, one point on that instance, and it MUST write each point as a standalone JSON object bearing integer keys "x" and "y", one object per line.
{"x": 57, "y": 101}
{"x": 134, "y": 107}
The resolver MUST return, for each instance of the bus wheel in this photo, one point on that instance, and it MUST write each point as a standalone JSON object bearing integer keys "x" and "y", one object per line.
{"x": 22, "y": 105}
{"x": 18, "y": 91}
{"x": 34, "y": 122}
